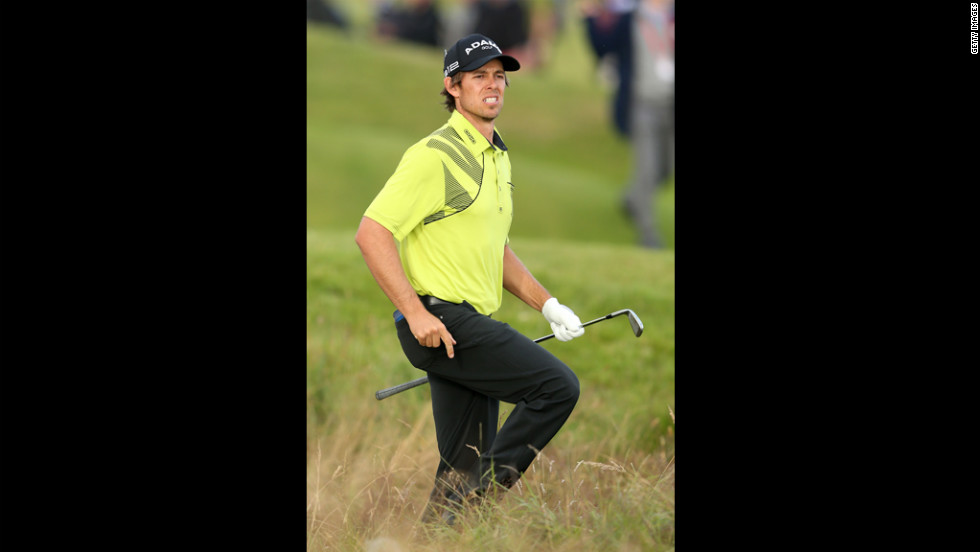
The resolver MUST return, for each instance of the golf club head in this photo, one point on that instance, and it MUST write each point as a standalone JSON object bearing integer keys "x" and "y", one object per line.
{"x": 635, "y": 321}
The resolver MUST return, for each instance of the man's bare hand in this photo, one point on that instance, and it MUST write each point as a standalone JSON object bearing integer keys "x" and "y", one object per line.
{"x": 431, "y": 332}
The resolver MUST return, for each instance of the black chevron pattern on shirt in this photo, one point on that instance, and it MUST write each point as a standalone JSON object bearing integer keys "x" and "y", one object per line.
{"x": 448, "y": 141}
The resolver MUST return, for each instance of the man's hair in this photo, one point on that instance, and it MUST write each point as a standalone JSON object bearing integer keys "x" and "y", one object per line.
{"x": 449, "y": 100}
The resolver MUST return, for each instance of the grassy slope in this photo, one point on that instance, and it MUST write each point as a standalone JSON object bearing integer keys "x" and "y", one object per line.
{"x": 368, "y": 101}
{"x": 604, "y": 483}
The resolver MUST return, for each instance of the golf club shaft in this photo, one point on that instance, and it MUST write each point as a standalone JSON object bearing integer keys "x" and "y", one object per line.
{"x": 385, "y": 393}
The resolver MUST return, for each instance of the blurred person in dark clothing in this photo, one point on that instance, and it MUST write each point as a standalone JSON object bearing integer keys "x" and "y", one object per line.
{"x": 323, "y": 11}
{"x": 527, "y": 30}
{"x": 415, "y": 21}
{"x": 640, "y": 37}
{"x": 508, "y": 22}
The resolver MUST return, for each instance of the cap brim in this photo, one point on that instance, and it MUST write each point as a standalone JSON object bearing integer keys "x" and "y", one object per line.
{"x": 510, "y": 63}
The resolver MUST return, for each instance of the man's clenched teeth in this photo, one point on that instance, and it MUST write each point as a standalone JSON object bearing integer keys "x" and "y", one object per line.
{"x": 490, "y": 100}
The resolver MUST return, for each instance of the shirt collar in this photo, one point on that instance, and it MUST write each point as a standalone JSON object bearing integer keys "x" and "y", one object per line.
{"x": 471, "y": 136}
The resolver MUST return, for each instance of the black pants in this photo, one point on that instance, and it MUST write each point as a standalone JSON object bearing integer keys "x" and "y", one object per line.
{"x": 493, "y": 362}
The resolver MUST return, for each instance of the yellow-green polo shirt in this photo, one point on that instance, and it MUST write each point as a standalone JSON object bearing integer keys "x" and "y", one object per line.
{"x": 449, "y": 205}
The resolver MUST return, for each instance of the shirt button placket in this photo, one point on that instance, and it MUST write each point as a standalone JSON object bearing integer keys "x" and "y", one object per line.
{"x": 500, "y": 190}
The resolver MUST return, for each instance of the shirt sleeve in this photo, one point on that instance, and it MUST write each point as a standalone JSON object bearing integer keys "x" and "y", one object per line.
{"x": 413, "y": 192}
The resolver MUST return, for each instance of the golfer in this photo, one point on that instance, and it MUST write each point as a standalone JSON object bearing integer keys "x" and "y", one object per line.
{"x": 436, "y": 241}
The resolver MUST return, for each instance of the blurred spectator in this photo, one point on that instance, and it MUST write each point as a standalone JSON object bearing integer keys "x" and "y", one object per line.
{"x": 523, "y": 29}
{"x": 459, "y": 18}
{"x": 508, "y": 23}
{"x": 640, "y": 37}
{"x": 410, "y": 20}
{"x": 323, "y": 11}
{"x": 547, "y": 23}
{"x": 558, "y": 10}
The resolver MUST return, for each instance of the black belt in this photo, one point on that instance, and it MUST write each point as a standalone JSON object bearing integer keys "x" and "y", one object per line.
{"x": 430, "y": 300}
{"x": 426, "y": 300}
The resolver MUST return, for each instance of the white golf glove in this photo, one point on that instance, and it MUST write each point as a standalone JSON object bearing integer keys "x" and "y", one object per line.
{"x": 563, "y": 321}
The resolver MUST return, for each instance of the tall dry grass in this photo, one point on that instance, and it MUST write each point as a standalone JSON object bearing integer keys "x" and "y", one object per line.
{"x": 370, "y": 478}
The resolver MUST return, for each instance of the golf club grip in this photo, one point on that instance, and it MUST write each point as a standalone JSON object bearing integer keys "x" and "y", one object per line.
{"x": 385, "y": 393}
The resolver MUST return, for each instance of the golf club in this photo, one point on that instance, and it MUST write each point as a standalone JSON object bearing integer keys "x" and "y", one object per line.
{"x": 635, "y": 323}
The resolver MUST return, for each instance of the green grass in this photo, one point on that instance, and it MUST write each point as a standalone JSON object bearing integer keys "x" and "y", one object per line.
{"x": 367, "y": 101}
{"x": 371, "y": 462}
{"x": 606, "y": 480}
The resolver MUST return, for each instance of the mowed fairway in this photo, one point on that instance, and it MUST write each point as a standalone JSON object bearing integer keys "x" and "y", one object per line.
{"x": 606, "y": 481}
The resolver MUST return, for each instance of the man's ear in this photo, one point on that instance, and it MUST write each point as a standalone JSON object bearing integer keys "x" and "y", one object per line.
{"x": 447, "y": 82}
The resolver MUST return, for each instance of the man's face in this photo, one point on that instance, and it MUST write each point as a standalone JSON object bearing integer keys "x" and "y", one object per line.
{"x": 481, "y": 92}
